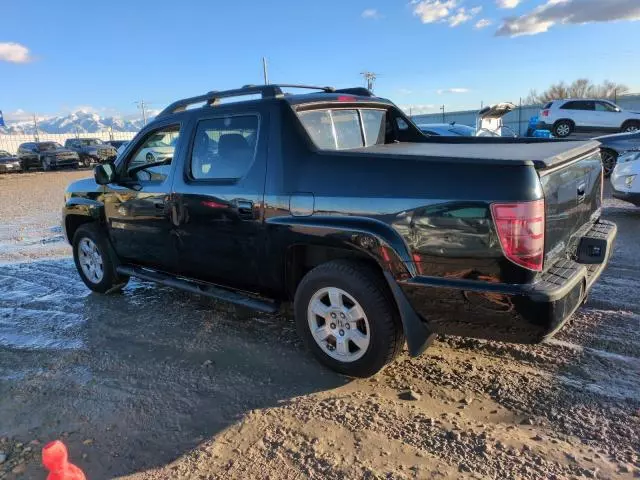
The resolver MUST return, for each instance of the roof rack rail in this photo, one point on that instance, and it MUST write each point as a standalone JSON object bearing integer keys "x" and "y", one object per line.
{"x": 267, "y": 91}
{"x": 360, "y": 91}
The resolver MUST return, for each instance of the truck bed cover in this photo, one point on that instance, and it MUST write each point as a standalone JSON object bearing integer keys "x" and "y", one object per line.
{"x": 541, "y": 154}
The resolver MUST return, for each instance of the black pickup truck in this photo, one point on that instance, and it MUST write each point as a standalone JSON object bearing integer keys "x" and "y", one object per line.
{"x": 336, "y": 201}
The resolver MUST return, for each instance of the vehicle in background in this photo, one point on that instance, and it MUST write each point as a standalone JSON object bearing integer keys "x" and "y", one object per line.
{"x": 47, "y": 156}
{"x": 336, "y": 201}
{"x": 489, "y": 121}
{"x": 116, "y": 143}
{"x": 612, "y": 146}
{"x": 563, "y": 117}
{"x": 9, "y": 163}
{"x": 447, "y": 129}
{"x": 91, "y": 150}
{"x": 625, "y": 178}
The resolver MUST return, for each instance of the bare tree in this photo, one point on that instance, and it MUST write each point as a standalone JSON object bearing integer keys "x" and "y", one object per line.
{"x": 580, "y": 88}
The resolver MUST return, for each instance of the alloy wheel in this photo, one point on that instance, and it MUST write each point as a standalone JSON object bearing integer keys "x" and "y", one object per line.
{"x": 338, "y": 324}
{"x": 90, "y": 260}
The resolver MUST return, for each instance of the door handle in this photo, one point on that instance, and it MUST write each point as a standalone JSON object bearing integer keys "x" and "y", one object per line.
{"x": 245, "y": 208}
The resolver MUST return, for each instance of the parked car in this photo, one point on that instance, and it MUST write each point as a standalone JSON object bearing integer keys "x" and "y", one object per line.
{"x": 336, "y": 201}
{"x": 47, "y": 156}
{"x": 624, "y": 178}
{"x": 9, "y": 163}
{"x": 91, "y": 150}
{"x": 116, "y": 143}
{"x": 612, "y": 146}
{"x": 563, "y": 117}
{"x": 447, "y": 129}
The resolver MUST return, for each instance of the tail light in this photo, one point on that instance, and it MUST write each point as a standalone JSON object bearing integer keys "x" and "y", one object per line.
{"x": 520, "y": 228}
{"x": 545, "y": 113}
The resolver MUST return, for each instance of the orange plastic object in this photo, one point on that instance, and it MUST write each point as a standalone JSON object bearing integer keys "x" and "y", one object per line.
{"x": 55, "y": 458}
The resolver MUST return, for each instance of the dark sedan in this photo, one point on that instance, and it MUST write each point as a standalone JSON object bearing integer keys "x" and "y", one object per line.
{"x": 9, "y": 163}
{"x": 612, "y": 146}
{"x": 47, "y": 156}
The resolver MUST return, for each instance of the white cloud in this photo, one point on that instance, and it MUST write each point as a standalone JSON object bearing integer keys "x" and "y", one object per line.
{"x": 431, "y": 11}
{"x": 370, "y": 13}
{"x": 17, "y": 116}
{"x": 452, "y": 90}
{"x": 482, "y": 23}
{"x": 508, "y": 3}
{"x": 459, "y": 17}
{"x": 14, "y": 53}
{"x": 569, "y": 12}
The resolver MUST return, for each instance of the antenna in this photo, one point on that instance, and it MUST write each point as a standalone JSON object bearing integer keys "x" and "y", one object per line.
{"x": 370, "y": 78}
{"x": 264, "y": 71}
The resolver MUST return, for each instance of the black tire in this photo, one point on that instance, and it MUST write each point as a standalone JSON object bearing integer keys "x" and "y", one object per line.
{"x": 609, "y": 161}
{"x": 86, "y": 163}
{"x": 111, "y": 281}
{"x": 632, "y": 126}
{"x": 369, "y": 288}
{"x": 563, "y": 128}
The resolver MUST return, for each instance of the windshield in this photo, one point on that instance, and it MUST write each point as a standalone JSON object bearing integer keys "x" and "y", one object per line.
{"x": 4, "y": 153}
{"x": 85, "y": 142}
{"x": 49, "y": 146}
{"x": 342, "y": 129}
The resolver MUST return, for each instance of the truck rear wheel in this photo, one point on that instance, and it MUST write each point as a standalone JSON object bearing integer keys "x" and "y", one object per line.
{"x": 94, "y": 259}
{"x": 346, "y": 316}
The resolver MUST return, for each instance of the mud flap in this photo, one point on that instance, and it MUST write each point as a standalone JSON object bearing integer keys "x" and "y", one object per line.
{"x": 418, "y": 336}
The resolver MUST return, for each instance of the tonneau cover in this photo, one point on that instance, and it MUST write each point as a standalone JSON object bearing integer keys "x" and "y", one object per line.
{"x": 540, "y": 154}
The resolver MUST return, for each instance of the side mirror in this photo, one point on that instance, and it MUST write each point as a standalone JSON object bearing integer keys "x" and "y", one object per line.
{"x": 104, "y": 174}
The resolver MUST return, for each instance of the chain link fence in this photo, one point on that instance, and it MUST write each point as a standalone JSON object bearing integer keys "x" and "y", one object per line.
{"x": 10, "y": 143}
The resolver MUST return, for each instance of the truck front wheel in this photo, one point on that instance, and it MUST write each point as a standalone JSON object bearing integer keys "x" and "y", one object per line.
{"x": 94, "y": 259}
{"x": 346, "y": 316}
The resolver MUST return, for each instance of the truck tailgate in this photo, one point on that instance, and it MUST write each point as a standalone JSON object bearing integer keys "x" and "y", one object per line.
{"x": 572, "y": 187}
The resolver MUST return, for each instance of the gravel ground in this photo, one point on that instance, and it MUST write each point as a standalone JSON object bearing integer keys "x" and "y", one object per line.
{"x": 156, "y": 383}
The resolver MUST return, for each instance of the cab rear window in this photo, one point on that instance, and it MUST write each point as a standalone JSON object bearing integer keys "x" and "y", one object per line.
{"x": 345, "y": 128}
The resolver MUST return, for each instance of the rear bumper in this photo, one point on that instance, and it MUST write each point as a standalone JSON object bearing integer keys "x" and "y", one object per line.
{"x": 544, "y": 126}
{"x": 508, "y": 312}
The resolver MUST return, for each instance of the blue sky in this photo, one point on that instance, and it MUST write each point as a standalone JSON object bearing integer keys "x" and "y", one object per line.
{"x": 104, "y": 56}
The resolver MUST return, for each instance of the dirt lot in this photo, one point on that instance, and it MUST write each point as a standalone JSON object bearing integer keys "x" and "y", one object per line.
{"x": 155, "y": 383}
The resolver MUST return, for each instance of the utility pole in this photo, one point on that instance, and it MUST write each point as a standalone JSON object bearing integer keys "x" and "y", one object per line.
{"x": 264, "y": 71}
{"x": 142, "y": 105}
{"x": 370, "y": 78}
{"x": 35, "y": 123}
{"x": 442, "y": 108}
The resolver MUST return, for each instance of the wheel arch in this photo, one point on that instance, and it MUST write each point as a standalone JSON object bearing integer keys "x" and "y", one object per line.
{"x": 320, "y": 240}
{"x": 630, "y": 121}
{"x": 79, "y": 211}
{"x": 572, "y": 122}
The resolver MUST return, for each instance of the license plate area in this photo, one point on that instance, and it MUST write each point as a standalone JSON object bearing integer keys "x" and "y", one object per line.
{"x": 592, "y": 250}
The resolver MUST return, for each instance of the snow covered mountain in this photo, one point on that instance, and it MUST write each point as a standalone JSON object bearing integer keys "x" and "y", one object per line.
{"x": 80, "y": 122}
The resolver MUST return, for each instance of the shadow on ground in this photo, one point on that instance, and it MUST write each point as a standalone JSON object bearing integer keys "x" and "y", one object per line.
{"x": 135, "y": 380}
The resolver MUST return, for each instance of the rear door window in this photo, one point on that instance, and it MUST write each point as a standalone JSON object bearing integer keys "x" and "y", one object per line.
{"x": 224, "y": 148}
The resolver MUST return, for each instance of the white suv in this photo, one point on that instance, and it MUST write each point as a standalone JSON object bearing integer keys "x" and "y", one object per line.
{"x": 563, "y": 117}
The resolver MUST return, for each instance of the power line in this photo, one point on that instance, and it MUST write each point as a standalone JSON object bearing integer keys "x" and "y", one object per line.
{"x": 142, "y": 105}
{"x": 370, "y": 78}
